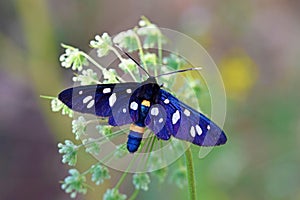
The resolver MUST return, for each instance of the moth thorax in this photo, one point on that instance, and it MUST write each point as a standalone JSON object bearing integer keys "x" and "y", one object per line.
{"x": 146, "y": 103}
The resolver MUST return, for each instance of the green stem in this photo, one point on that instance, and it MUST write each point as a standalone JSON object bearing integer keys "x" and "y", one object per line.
{"x": 102, "y": 138}
{"x": 190, "y": 174}
{"x": 177, "y": 152}
{"x": 47, "y": 97}
{"x": 141, "y": 52}
{"x": 97, "y": 64}
{"x": 125, "y": 173}
{"x": 121, "y": 180}
{"x": 146, "y": 146}
{"x": 134, "y": 194}
{"x": 121, "y": 60}
{"x": 151, "y": 148}
{"x": 116, "y": 53}
{"x": 92, "y": 61}
{"x": 109, "y": 156}
{"x": 159, "y": 44}
{"x": 160, "y": 50}
{"x": 91, "y": 121}
{"x": 85, "y": 55}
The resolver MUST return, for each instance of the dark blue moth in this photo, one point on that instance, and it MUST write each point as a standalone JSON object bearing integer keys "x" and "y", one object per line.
{"x": 144, "y": 105}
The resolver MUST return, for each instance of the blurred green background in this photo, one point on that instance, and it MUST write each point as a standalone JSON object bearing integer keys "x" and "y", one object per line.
{"x": 254, "y": 43}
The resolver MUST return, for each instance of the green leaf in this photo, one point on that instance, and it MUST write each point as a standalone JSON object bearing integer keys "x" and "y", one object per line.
{"x": 110, "y": 76}
{"x": 179, "y": 177}
{"x": 128, "y": 65}
{"x": 73, "y": 58}
{"x": 152, "y": 35}
{"x": 153, "y": 163}
{"x": 69, "y": 151}
{"x": 197, "y": 87}
{"x": 99, "y": 174}
{"x": 173, "y": 61}
{"x": 74, "y": 183}
{"x": 79, "y": 127}
{"x": 104, "y": 130}
{"x": 144, "y": 21}
{"x": 92, "y": 146}
{"x": 113, "y": 194}
{"x": 120, "y": 151}
{"x": 57, "y": 105}
{"x": 88, "y": 77}
{"x": 102, "y": 44}
{"x": 150, "y": 59}
{"x": 127, "y": 40}
{"x": 141, "y": 181}
{"x": 161, "y": 174}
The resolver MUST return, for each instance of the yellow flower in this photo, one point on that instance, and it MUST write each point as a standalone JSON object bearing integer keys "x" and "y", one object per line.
{"x": 239, "y": 74}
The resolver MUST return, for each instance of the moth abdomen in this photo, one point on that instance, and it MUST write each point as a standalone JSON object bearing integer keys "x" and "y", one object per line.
{"x": 134, "y": 138}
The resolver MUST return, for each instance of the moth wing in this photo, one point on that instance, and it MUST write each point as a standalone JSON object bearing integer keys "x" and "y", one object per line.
{"x": 103, "y": 100}
{"x": 185, "y": 123}
{"x": 156, "y": 121}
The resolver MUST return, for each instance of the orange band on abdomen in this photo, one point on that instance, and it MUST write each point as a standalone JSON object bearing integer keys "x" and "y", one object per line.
{"x": 136, "y": 128}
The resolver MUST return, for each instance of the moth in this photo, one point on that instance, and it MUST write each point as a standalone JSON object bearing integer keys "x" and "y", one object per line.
{"x": 144, "y": 105}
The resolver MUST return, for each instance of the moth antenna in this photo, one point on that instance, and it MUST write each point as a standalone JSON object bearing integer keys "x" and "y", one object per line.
{"x": 179, "y": 71}
{"x": 129, "y": 56}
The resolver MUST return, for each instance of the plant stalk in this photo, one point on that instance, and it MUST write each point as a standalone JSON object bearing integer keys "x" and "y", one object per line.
{"x": 134, "y": 194}
{"x": 190, "y": 174}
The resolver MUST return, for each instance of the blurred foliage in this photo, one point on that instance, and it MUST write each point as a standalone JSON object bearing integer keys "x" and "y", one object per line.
{"x": 239, "y": 74}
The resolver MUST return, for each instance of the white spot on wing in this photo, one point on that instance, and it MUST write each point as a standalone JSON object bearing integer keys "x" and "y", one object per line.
{"x": 90, "y": 104}
{"x": 166, "y": 101}
{"x": 187, "y": 112}
{"x": 175, "y": 117}
{"x": 192, "y": 131}
{"x": 112, "y": 99}
{"x": 124, "y": 110}
{"x": 87, "y": 99}
{"x": 160, "y": 120}
{"x": 154, "y": 111}
{"x": 134, "y": 105}
{"x": 106, "y": 90}
{"x": 208, "y": 127}
{"x": 129, "y": 91}
{"x": 198, "y": 129}
{"x": 80, "y": 92}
